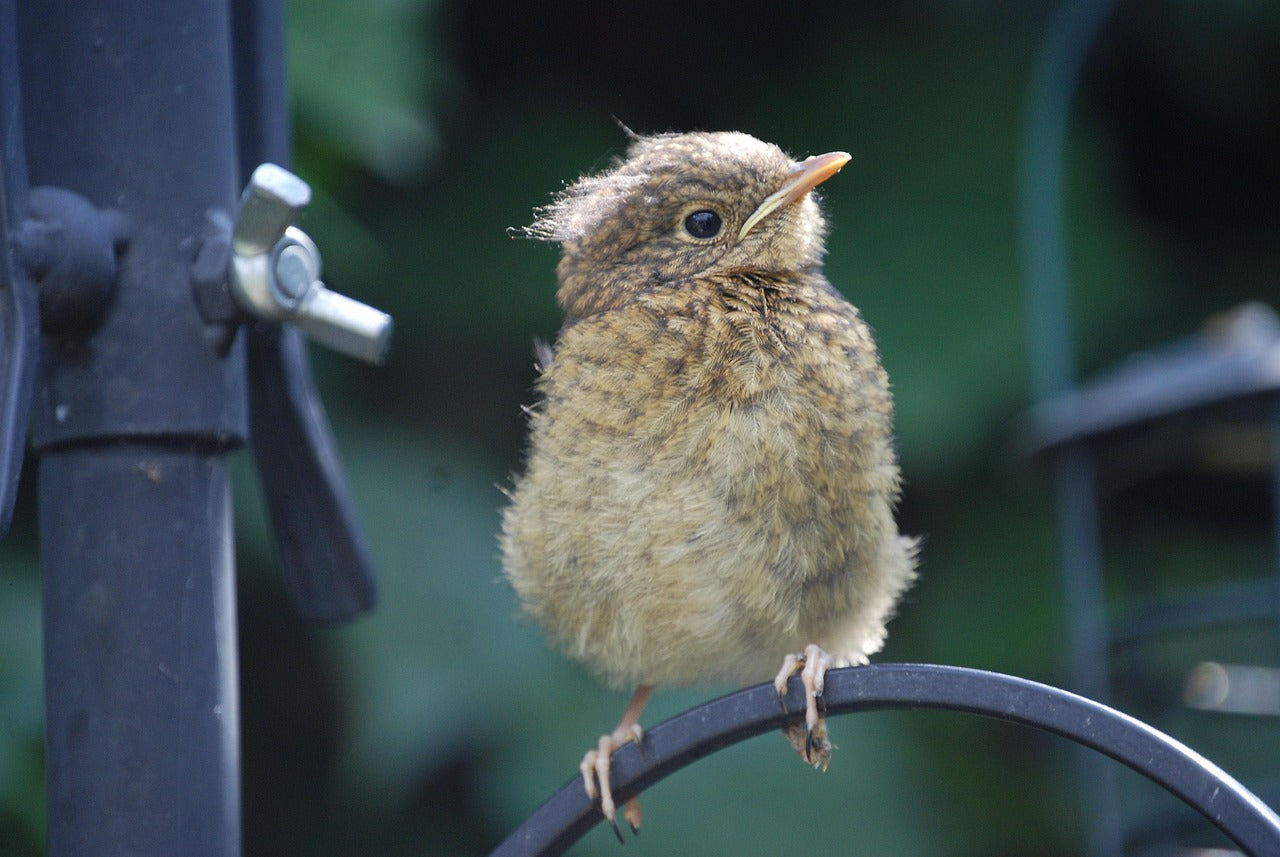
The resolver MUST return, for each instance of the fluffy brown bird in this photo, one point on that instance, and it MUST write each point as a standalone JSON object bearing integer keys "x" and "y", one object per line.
{"x": 711, "y": 475}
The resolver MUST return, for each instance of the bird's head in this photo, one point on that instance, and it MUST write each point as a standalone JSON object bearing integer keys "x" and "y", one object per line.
{"x": 681, "y": 208}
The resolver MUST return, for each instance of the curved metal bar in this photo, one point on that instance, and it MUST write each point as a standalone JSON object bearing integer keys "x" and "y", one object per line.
{"x": 672, "y": 745}
{"x": 1041, "y": 188}
{"x": 19, "y": 307}
{"x": 328, "y": 569}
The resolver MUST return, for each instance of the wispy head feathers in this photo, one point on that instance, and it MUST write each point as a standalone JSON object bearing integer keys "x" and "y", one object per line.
{"x": 582, "y": 206}
{"x": 725, "y": 162}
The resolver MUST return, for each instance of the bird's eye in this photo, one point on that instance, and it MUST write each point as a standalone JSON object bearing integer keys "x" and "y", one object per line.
{"x": 704, "y": 223}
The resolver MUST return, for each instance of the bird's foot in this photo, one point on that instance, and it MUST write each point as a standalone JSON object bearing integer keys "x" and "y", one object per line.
{"x": 597, "y": 762}
{"x": 811, "y": 742}
{"x": 809, "y": 738}
{"x": 596, "y": 766}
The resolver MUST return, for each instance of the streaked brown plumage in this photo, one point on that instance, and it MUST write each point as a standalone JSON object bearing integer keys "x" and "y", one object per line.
{"x": 711, "y": 475}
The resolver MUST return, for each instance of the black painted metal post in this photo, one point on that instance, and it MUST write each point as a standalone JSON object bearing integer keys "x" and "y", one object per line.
{"x": 133, "y": 108}
{"x": 1054, "y": 79}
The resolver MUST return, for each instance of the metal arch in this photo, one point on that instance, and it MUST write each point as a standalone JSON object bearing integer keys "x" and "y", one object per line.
{"x": 683, "y": 739}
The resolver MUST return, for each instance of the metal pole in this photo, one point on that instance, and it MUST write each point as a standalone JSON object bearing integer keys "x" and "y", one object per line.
{"x": 140, "y": 651}
{"x": 1050, "y": 92}
{"x": 133, "y": 109}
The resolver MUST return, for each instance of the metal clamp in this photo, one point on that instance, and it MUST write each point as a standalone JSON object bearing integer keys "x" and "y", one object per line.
{"x": 275, "y": 271}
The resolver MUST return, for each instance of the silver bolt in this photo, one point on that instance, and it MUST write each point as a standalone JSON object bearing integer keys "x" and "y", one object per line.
{"x": 293, "y": 274}
{"x": 275, "y": 270}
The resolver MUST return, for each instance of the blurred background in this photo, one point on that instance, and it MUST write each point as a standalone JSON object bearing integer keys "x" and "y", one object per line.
{"x": 429, "y": 128}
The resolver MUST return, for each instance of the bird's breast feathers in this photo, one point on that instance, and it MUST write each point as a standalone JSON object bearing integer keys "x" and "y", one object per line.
{"x": 713, "y": 461}
{"x": 728, "y": 406}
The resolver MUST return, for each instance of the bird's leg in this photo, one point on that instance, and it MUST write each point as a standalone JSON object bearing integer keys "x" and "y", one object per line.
{"x": 596, "y": 763}
{"x": 810, "y": 738}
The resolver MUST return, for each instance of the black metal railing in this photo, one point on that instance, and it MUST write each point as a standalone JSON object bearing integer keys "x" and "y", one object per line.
{"x": 689, "y": 736}
{"x": 126, "y": 138}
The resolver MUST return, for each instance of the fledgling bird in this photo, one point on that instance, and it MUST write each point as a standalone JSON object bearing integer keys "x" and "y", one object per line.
{"x": 711, "y": 478}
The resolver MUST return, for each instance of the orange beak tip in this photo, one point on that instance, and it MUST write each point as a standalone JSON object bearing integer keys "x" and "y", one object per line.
{"x": 804, "y": 176}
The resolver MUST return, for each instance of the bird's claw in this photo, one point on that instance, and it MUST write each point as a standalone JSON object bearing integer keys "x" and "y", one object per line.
{"x": 790, "y": 665}
{"x": 817, "y": 748}
{"x": 810, "y": 738}
{"x": 613, "y": 822}
{"x": 596, "y": 768}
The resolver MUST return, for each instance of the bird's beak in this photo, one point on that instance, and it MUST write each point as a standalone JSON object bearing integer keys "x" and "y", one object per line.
{"x": 804, "y": 176}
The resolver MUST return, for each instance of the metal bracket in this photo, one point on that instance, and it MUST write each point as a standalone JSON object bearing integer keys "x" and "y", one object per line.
{"x": 70, "y": 249}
